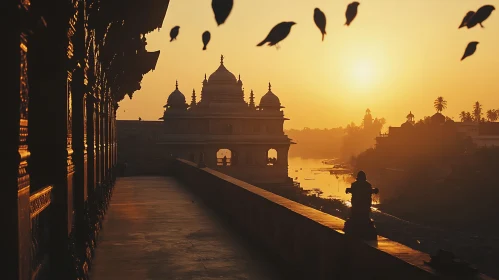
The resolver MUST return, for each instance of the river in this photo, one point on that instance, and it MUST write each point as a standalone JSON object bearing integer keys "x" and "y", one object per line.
{"x": 482, "y": 251}
{"x": 314, "y": 174}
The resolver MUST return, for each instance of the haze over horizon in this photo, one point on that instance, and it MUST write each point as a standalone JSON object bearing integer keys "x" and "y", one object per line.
{"x": 396, "y": 57}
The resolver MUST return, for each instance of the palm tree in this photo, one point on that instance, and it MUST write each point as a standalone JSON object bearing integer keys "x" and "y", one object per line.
{"x": 492, "y": 115}
{"x": 462, "y": 116}
{"x": 469, "y": 117}
{"x": 477, "y": 111}
{"x": 440, "y": 104}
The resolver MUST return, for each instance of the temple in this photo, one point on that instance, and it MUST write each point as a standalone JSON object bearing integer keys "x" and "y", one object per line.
{"x": 221, "y": 131}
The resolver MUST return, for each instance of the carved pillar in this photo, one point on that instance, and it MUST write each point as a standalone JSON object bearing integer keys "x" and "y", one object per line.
{"x": 105, "y": 131}
{"x": 90, "y": 127}
{"x": 97, "y": 138}
{"x": 109, "y": 138}
{"x": 79, "y": 131}
{"x": 102, "y": 139}
{"x": 51, "y": 114}
{"x": 15, "y": 205}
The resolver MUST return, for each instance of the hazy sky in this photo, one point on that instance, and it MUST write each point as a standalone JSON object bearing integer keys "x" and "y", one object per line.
{"x": 398, "y": 55}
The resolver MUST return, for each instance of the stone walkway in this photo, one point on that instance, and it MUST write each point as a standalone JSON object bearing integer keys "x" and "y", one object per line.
{"x": 155, "y": 229}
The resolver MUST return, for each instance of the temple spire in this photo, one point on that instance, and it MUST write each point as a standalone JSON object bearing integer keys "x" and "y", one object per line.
{"x": 270, "y": 87}
{"x": 222, "y": 59}
{"x": 176, "y": 84}
{"x": 252, "y": 100}
{"x": 193, "y": 100}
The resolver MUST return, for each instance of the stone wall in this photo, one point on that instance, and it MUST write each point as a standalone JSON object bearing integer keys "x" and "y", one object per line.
{"x": 310, "y": 243}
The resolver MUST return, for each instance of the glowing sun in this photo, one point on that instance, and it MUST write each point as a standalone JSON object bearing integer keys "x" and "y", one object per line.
{"x": 363, "y": 73}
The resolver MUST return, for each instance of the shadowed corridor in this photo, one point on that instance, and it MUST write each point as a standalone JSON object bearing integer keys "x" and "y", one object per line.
{"x": 156, "y": 229}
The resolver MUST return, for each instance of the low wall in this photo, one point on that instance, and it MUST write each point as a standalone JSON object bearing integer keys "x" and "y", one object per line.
{"x": 311, "y": 243}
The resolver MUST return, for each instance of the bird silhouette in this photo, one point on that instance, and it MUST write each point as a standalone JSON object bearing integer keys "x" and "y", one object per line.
{"x": 277, "y": 33}
{"x": 470, "y": 49}
{"x": 466, "y": 19}
{"x": 206, "y": 39}
{"x": 320, "y": 21}
{"x": 480, "y": 16}
{"x": 351, "y": 12}
{"x": 222, "y": 9}
{"x": 174, "y": 33}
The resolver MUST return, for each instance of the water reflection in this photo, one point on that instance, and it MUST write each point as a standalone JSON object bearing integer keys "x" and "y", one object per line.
{"x": 315, "y": 174}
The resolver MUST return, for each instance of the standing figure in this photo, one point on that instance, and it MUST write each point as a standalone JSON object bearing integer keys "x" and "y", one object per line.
{"x": 360, "y": 223}
{"x": 224, "y": 161}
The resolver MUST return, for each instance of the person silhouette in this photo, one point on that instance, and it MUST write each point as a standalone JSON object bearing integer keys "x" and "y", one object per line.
{"x": 360, "y": 223}
{"x": 224, "y": 161}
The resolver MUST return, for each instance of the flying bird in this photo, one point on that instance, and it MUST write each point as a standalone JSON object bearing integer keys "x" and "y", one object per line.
{"x": 351, "y": 12}
{"x": 320, "y": 21}
{"x": 466, "y": 19}
{"x": 277, "y": 33}
{"x": 480, "y": 16}
{"x": 174, "y": 33}
{"x": 470, "y": 49}
{"x": 206, "y": 39}
{"x": 222, "y": 9}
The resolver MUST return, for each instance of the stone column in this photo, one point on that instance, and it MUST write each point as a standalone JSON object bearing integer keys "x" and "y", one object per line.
{"x": 90, "y": 127}
{"x": 51, "y": 121}
{"x": 102, "y": 139}
{"x": 106, "y": 137}
{"x": 15, "y": 153}
{"x": 113, "y": 140}
{"x": 98, "y": 138}
{"x": 80, "y": 82}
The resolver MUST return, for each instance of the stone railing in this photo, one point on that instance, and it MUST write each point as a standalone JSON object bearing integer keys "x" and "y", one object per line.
{"x": 39, "y": 203}
{"x": 309, "y": 244}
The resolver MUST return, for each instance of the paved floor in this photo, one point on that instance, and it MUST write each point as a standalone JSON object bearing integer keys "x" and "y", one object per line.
{"x": 155, "y": 229}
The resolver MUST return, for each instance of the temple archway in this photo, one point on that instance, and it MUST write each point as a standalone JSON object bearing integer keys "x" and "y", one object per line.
{"x": 224, "y": 157}
{"x": 272, "y": 157}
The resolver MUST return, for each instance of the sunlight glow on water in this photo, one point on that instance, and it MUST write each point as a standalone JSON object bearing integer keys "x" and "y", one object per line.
{"x": 314, "y": 174}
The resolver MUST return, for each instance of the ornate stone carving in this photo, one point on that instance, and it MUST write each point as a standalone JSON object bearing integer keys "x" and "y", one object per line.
{"x": 24, "y": 79}
{"x": 85, "y": 120}
{"x": 23, "y": 176}
{"x": 39, "y": 201}
{"x": 70, "y": 102}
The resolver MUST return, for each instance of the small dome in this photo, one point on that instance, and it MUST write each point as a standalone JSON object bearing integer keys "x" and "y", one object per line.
{"x": 438, "y": 118}
{"x": 222, "y": 75}
{"x": 176, "y": 99}
{"x": 270, "y": 100}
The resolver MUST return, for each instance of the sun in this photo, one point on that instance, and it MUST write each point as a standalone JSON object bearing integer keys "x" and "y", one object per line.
{"x": 362, "y": 73}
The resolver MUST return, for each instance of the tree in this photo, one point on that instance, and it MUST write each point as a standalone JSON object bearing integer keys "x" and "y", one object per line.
{"x": 477, "y": 111}
{"x": 440, "y": 104}
{"x": 469, "y": 117}
{"x": 465, "y": 116}
{"x": 492, "y": 115}
{"x": 462, "y": 116}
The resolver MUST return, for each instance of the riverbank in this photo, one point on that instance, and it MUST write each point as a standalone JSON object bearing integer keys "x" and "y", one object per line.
{"x": 426, "y": 235}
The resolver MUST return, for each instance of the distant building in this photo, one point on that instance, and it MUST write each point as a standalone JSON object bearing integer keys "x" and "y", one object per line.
{"x": 221, "y": 130}
{"x": 437, "y": 137}
{"x": 484, "y": 134}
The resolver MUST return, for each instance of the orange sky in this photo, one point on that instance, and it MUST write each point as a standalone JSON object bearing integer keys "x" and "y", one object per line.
{"x": 395, "y": 57}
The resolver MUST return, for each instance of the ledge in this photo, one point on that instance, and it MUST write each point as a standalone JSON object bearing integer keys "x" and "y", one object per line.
{"x": 307, "y": 240}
